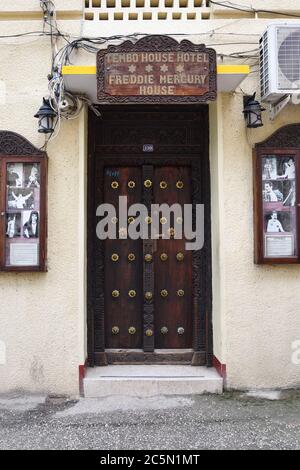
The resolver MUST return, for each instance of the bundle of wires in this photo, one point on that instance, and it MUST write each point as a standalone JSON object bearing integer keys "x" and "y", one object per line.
{"x": 68, "y": 106}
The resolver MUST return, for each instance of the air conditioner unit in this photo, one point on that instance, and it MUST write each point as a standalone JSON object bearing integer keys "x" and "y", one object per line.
{"x": 280, "y": 61}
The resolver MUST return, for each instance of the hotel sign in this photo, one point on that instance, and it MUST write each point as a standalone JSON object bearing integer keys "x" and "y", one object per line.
{"x": 156, "y": 69}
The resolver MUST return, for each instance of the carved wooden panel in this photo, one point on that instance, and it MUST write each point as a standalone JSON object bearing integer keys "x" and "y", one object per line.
{"x": 285, "y": 137}
{"x": 174, "y": 292}
{"x": 12, "y": 143}
{"x": 148, "y": 269}
{"x": 157, "y": 44}
{"x": 123, "y": 264}
{"x": 126, "y": 135}
{"x": 168, "y": 129}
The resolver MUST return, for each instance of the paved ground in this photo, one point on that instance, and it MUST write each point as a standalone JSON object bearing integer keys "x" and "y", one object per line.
{"x": 230, "y": 421}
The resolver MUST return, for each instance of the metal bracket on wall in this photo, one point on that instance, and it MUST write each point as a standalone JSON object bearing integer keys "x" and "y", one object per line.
{"x": 276, "y": 108}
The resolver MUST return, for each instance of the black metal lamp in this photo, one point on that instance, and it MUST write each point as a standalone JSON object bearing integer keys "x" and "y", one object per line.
{"x": 252, "y": 111}
{"x": 46, "y": 116}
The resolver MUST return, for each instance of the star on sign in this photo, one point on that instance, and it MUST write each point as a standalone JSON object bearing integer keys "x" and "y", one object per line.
{"x": 149, "y": 68}
{"x": 180, "y": 68}
{"x": 132, "y": 68}
{"x": 164, "y": 68}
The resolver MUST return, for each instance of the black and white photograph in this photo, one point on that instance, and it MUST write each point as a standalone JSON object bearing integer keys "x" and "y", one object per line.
{"x": 14, "y": 178}
{"x": 272, "y": 191}
{"x": 20, "y": 199}
{"x": 32, "y": 175}
{"x": 278, "y": 222}
{"x": 269, "y": 168}
{"x": 30, "y": 224}
{"x": 286, "y": 168}
{"x": 13, "y": 225}
{"x": 289, "y": 193}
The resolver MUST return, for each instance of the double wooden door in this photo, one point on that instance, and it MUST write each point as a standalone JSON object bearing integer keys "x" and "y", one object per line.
{"x": 148, "y": 300}
{"x": 148, "y": 282}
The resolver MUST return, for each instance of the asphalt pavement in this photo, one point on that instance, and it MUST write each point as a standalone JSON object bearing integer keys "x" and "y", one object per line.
{"x": 228, "y": 421}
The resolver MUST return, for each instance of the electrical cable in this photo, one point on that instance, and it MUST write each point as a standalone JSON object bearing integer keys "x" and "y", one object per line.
{"x": 68, "y": 106}
{"x": 249, "y": 9}
{"x": 28, "y": 33}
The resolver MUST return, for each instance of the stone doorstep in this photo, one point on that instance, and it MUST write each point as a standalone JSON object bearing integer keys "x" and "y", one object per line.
{"x": 151, "y": 380}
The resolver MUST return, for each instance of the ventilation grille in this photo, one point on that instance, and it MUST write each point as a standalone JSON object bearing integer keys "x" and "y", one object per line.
{"x": 288, "y": 50}
{"x": 264, "y": 65}
{"x": 145, "y": 10}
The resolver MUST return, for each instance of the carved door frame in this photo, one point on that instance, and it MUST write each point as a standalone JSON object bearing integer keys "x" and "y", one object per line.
{"x": 166, "y": 155}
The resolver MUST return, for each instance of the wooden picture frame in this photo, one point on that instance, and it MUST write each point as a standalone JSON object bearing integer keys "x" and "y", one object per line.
{"x": 20, "y": 153}
{"x": 276, "y": 177}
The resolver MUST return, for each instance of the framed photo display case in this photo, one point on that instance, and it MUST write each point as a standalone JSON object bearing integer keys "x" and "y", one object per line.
{"x": 277, "y": 197}
{"x": 23, "y": 181}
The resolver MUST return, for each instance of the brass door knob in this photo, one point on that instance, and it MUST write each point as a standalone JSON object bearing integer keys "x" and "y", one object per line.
{"x": 131, "y": 330}
{"x": 131, "y": 184}
{"x": 114, "y": 257}
{"x": 148, "y": 295}
{"x": 115, "y": 185}
{"x": 149, "y": 332}
{"x": 180, "y": 256}
{"x": 132, "y": 294}
{"x": 179, "y": 184}
{"x": 164, "y": 330}
{"x": 115, "y": 293}
{"x": 115, "y": 330}
{"x": 148, "y": 258}
{"x": 131, "y": 257}
{"x": 163, "y": 185}
{"x": 147, "y": 184}
{"x": 180, "y": 292}
{"x": 164, "y": 293}
{"x": 180, "y": 330}
{"x": 164, "y": 257}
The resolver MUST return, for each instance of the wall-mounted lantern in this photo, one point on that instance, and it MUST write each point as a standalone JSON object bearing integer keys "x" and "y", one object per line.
{"x": 46, "y": 116}
{"x": 252, "y": 111}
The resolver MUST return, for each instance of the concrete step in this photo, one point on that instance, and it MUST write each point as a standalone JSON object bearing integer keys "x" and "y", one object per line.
{"x": 150, "y": 380}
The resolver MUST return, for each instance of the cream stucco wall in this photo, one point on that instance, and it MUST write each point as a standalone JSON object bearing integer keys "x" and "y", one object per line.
{"x": 217, "y": 228}
{"x": 42, "y": 322}
{"x": 262, "y": 302}
{"x": 42, "y": 316}
{"x": 40, "y": 312}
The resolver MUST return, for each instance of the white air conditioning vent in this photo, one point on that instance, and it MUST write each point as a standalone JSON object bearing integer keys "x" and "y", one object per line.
{"x": 280, "y": 61}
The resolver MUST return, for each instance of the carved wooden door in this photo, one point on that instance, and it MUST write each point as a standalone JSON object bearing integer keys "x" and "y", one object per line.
{"x": 123, "y": 265}
{"x": 147, "y": 298}
{"x": 172, "y": 264}
{"x": 148, "y": 283}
